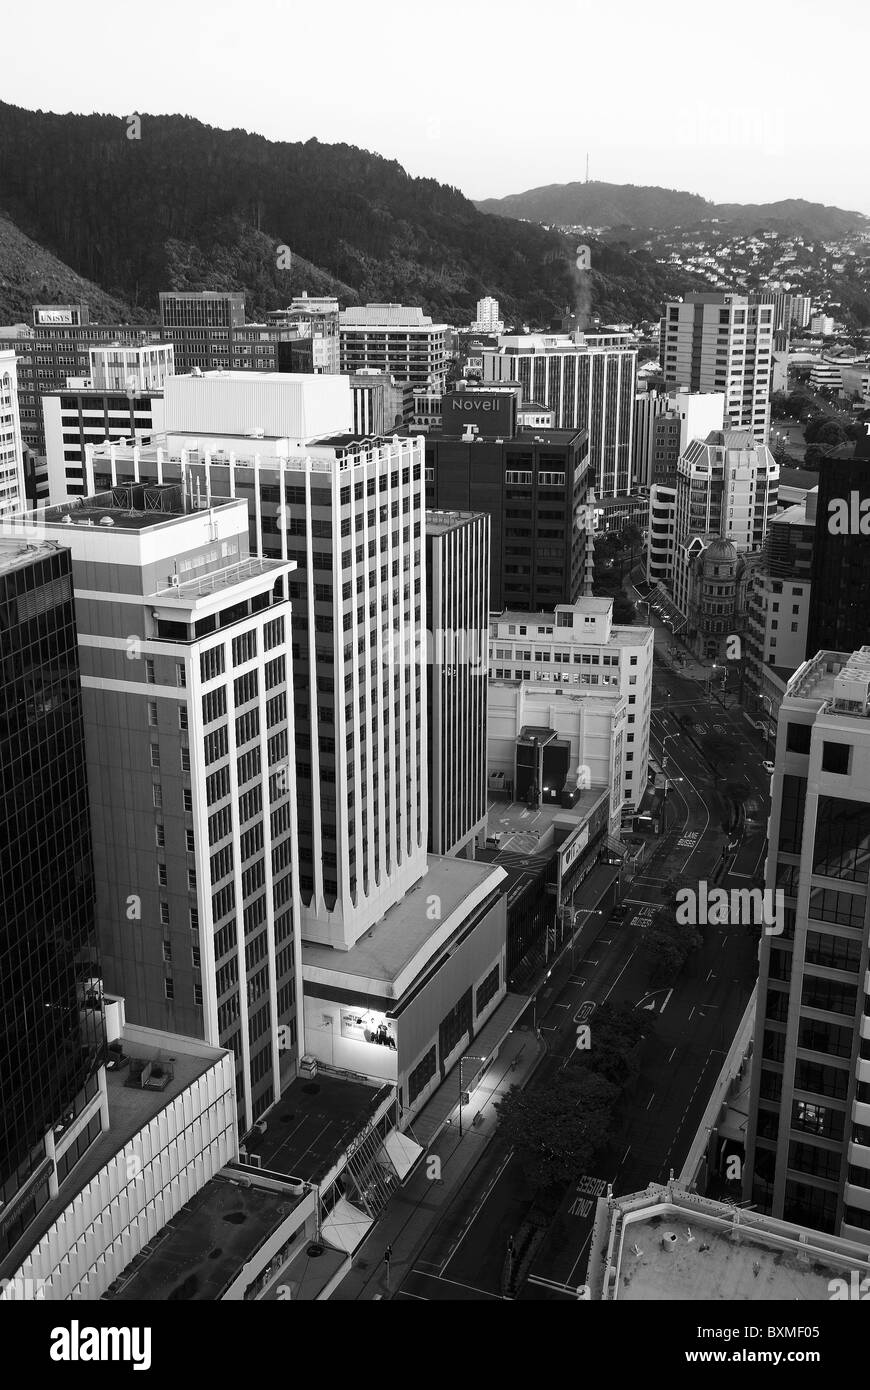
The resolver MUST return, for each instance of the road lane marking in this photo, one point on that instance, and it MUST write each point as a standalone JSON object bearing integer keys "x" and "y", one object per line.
{"x": 477, "y": 1210}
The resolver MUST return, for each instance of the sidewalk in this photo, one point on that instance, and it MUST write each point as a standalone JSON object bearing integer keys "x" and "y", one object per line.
{"x": 408, "y": 1218}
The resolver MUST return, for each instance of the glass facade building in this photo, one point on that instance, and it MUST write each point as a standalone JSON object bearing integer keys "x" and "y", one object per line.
{"x": 51, "y": 1021}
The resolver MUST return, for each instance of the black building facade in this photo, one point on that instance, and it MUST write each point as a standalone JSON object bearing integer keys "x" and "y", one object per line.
{"x": 51, "y": 1022}
{"x": 533, "y": 487}
{"x": 839, "y": 619}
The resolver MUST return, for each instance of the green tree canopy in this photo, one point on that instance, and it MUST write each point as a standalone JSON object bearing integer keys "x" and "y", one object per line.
{"x": 557, "y": 1128}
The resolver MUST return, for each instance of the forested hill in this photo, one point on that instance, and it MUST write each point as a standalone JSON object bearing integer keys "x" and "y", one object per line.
{"x": 187, "y": 206}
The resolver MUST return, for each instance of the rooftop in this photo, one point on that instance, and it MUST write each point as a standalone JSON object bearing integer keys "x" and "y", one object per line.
{"x": 528, "y": 830}
{"x": 440, "y": 521}
{"x": 386, "y": 316}
{"x": 130, "y": 507}
{"x": 823, "y": 679}
{"x": 14, "y": 554}
{"x": 212, "y": 582}
{"x": 674, "y": 1245}
{"x": 543, "y": 618}
{"x": 199, "y": 1253}
{"x": 313, "y": 1125}
{"x": 387, "y": 957}
{"x": 130, "y": 1109}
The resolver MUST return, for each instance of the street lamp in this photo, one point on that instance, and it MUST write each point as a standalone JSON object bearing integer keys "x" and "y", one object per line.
{"x": 462, "y": 1062}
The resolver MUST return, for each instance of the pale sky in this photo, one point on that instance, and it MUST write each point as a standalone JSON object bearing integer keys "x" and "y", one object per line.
{"x": 744, "y": 101}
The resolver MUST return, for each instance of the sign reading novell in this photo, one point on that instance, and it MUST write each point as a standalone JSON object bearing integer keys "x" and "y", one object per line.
{"x": 493, "y": 413}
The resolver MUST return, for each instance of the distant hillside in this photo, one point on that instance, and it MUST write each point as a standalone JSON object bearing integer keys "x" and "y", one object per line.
{"x": 190, "y": 206}
{"x": 615, "y": 205}
{"x": 30, "y": 275}
{"x": 792, "y": 216}
{"x": 601, "y": 205}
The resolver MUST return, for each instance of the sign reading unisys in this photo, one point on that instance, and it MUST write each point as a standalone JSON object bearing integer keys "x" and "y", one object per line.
{"x": 494, "y": 413}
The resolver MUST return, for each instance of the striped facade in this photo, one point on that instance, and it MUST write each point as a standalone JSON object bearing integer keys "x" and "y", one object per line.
{"x": 588, "y": 387}
{"x": 457, "y": 617}
{"x": 350, "y": 514}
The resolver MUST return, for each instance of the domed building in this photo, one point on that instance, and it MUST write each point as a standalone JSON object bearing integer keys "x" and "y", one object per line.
{"x": 713, "y": 578}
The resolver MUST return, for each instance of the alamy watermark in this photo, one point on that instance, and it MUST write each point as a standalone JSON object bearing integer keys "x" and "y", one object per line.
{"x": 747, "y": 907}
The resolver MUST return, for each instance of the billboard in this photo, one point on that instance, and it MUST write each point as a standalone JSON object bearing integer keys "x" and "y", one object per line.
{"x": 54, "y": 316}
{"x": 493, "y": 412}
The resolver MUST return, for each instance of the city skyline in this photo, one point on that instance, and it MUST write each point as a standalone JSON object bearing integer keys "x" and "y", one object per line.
{"x": 435, "y": 667}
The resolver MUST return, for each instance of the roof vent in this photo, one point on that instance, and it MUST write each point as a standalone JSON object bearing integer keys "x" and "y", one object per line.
{"x": 106, "y": 521}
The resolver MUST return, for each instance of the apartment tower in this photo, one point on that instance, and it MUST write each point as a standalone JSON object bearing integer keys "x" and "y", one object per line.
{"x": 808, "y": 1145}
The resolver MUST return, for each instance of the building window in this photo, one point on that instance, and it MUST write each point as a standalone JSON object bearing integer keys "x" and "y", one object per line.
{"x": 152, "y": 713}
{"x": 164, "y": 914}
{"x": 421, "y": 1075}
{"x": 487, "y": 990}
{"x": 168, "y": 989}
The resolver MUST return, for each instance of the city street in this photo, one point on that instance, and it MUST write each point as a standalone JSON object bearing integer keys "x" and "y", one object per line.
{"x": 694, "y": 1020}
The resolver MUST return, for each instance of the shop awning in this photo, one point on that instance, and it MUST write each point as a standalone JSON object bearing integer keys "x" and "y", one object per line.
{"x": 594, "y": 886}
{"x": 401, "y": 1151}
{"x": 434, "y": 1115}
{"x": 345, "y": 1226}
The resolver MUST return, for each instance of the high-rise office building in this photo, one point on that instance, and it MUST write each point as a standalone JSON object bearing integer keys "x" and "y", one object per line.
{"x": 394, "y": 338}
{"x": 187, "y": 694}
{"x": 349, "y": 512}
{"x": 778, "y": 599}
{"x": 201, "y": 309}
{"x": 534, "y": 484}
{"x": 121, "y": 398}
{"x": 838, "y": 618}
{"x": 208, "y": 331}
{"x": 808, "y": 1135}
{"x": 457, "y": 616}
{"x": 51, "y": 1022}
{"x": 313, "y": 319}
{"x": 648, "y": 406}
{"x": 589, "y": 380}
{"x": 403, "y": 953}
{"x": 12, "y": 488}
{"x": 685, "y": 416}
{"x": 380, "y": 404}
{"x": 577, "y": 649}
{"x": 723, "y": 342}
{"x": 60, "y": 347}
